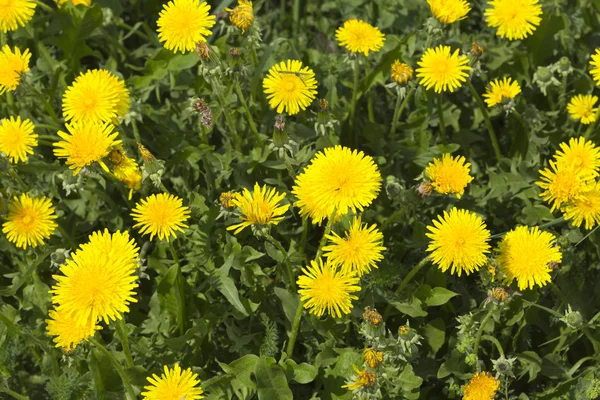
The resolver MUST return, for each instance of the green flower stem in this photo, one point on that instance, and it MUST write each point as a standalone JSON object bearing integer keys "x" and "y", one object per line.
{"x": 519, "y": 118}
{"x": 481, "y": 327}
{"x": 405, "y": 282}
{"x": 441, "y": 118}
{"x": 254, "y": 55}
{"x": 122, "y": 333}
{"x": 118, "y": 367}
{"x": 47, "y": 106}
{"x": 137, "y": 32}
{"x": 17, "y": 178}
{"x": 400, "y": 105}
{"x": 66, "y": 237}
{"x": 562, "y": 99}
{"x": 548, "y": 310}
{"x": 286, "y": 261}
{"x": 325, "y": 233}
{"x": 496, "y": 342}
{"x": 217, "y": 89}
{"x": 43, "y": 5}
{"x": 354, "y": 98}
{"x": 180, "y": 288}
{"x": 240, "y": 95}
{"x": 305, "y": 234}
{"x": 13, "y": 394}
{"x": 587, "y": 236}
{"x": 578, "y": 364}
{"x": 288, "y": 165}
{"x": 136, "y": 132}
{"x": 488, "y": 121}
{"x": 296, "y": 17}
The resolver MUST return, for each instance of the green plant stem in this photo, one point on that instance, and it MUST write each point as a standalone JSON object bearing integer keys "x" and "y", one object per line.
{"x": 47, "y": 105}
{"x": 13, "y": 394}
{"x": 302, "y": 248}
{"x": 286, "y": 261}
{"x": 519, "y": 118}
{"x": 441, "y": 118}
{"x": 180, "y": 290}
{"x": 578, "y": 364}
{"x": 240, "y": 94}
{"x": 137, "y": 32}
{"x": 65, "y": 236}
{"x": 17, "y": 178}
{"x": 296, "y": 17}
{"x": 217, "y": 89}
{"x": 587, "y": 236}
{"x": 43, "y": 5}
{"x": 496, "y": 342}
{"x": 354, "y": 99}
{"x": 118, "y": 367}
{"x": 488, "y": 121}
{"x": 400, "y": 105}
{"x": 288, "y": 165}
{"x": 405, "y": 282}
{"x": 136, "y": 132}
{"x": 562, "y": 99}
{"x": 480, "y": 331}
{"x": 122, "y": 333}
{"x": 325, "y": 233}
{"x": 548, "y": 310}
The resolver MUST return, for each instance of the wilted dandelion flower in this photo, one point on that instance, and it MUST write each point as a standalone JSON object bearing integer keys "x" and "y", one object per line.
{"x": 525, "y": 255}
{"x": 30, "y": 221}
{"x": 362, "y": 379}
{"x": 515, "y": 19}
{"x": 401, "y": 72}
{"x": 173, "y": 384}
{"x": 585, "y": 208}
{"x": 17, "y": 139}
{"x": 128, "y": 172}
{"x": 15, "y": 13}
{"x": 595, "y": 62}
{"x": 324, "y": 288}
{"x": 449, "y": 175}
{"x": 498, "y": 90}
{"x": 242, "y": 15}
{"x": 98, "y": 281}
{"x": 372, "y": 357}
{"x": 459, "y": 240}
{"x": 261, "y": 207}
{"x": 62, "y": 324}
{"x": 580, "y": 154}
{"x": 85, "y": 144}
{"x": 359, "y": 37}
{"x": 13, "y": 64}
{"x": 161, "y": 215}
{"x": 96, "y": 96}
{"x": 289, "y": 86}
{"x": 358, "y": 251}
{"x": 60, "y": 3}
{"x": 482, "y": 386}
{"x": 561, "y": 184}
{"x": 183, "y": 23}
{"x": 338, "y": 179}
{"x": 449, "y": 11}
{"x": 581, "y": 107}
{"x": 441, "y": 70}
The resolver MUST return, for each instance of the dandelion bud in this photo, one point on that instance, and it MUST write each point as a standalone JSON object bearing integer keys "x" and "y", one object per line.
{"x": 372, "y": 357}
{"x": 59, "y": 257}
{"x": 404, "y": 331}
{"x": 226, "y": 199}
{"x": 499, "y": 294}
{"x": 203, "y": 50}
{"x": 146, "y": 155}
{"x": 552, "y": 265}
{"x": 572, "y": 318}
{"x": 234, "y": 52}
{"x": 477, "y": 50}
{"x": 324, "y": 104}
{"x": 401, "y": 73}
{"x": 372, "y": 317}
{"x": 279, "y": 123}
{"x": 424, "y": 189}
{"x": 504, "y": 365}
{"x": 565, "y": 64}
{"x": 544, "y": 74}
{"x": 200, "y": 105}
{"x": 242, "y": 16}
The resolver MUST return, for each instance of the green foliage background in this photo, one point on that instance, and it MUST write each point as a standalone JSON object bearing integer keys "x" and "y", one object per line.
{"x": 238, "y": 305}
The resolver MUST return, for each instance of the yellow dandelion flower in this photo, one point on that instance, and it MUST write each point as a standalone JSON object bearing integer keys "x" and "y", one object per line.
{"x": 515, "y": 19}
{"x": 145, "y": 153}
{"x": 499, "y": 294}
{"x": 17, "y": 139}
{"x": 595, "y": 62}
{"x": 581, "y": 107}
{"x": 338, "y": 179}
{"x": 98, "y": 282}
{"x": 585, "y": 208}
{"x": 13, "y": 64}
{"x": 401, "y": 73}
{"x": 580, "y": 154}
{"x": 324, "y": 288}
{"x": 441, "y": 70}
{"x": 260, "y": 207}
{"x": 173, "y": 384}
{"x": 60, "y": 3}
{"x": 290, "y": 87}
{"x": 362, "y": 379}
{"x": 459, "y": 239}
{"x": 15, "y": 13}
{"x": 449, "y": 11}
{"x": 68, "y": 335}
{"x": 498, "y": 90}
{"x": 161, "y": 215}
{"x": 449, "y": 175}
{"x": 85, "y": 144}
{"x": 482, "y": 386}
{"x": 30, "y": 221}
{"x": 226, "y": 199}
{"x": 96, "y": 96}
{"x": 183, "y": 23}
{"x": 359, "y": 37}
{"x": 525, "y": 254}
{"x": 561, "y": 184}
{"x": 372, "y": 357}
{"x": 128, "y": 172}
{"x": 358, "y": 251}
{"x": 242, "y": 15}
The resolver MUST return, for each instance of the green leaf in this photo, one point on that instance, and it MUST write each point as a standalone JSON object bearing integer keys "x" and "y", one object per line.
{"x": 289, "y": 302}
{"x": 412, "y": 309}
{"x": 531, "y": 364}
{"x": 302, "y": 373}
{"x": 271, "y": 383}
{"x": 435, "y": 333}
{"x": 439, "y": 296}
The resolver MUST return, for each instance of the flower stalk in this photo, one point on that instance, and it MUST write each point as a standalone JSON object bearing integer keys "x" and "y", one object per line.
{"x": 180, "y": 288}
{"x": 400, "y": 105}
{"x": 488, "y": 121}
{"x": 405, "y": 282}
{"x": 130, "y": 394}
{"x": 122, "y": 333}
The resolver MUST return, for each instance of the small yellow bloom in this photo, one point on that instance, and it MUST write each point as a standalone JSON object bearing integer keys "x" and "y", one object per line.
{"x": 359, "y": 37}
{"x": 482, "y": 386}
{"x": 372, "y": 317}
{"x": 562, "y": 184}
{"x": 17, "y": 139}
{"x": 128, "y": 172}
{"x": 60, "y": 3}
{"x": 362, "y": 379}
{"x": 226, "y": 199}
{"x": 258, "y": 208}
{"x": 401, "y": 73}
{"x": 515, "y": 19}
{"x": 173, "y": 384}
{"x": 290, "y": 87}
{"x": 585, "y": 208}
{"x": 13, "y": 64}
{"x": 30, "y": 221}
{"x": 449, "y": 11}
{"x": 525, "y": 254}
{"x": 15, "y": 13}
{"x": 146, "y": 155}
{"x": 161, "y": 215}
{"x": 68, "y": 335}
{"x": 498, "y": 90}
{"x": 499, "y": 294}
{"x": 595, "y": 62}
{"x": 372, "y": 357}
{"x": 582, "y": 108}
{"x": 580, "y": 154}
{"x": 477, "y": 49}
{"x": 324, "y": 288}
{"x": 85, "y": 144}
{"x": 242, "y": 15}
{"x": 184, "y": 23}
{"x": 459, "y": 240}
{"x": 441, "y": 70}
{"x": 449, "y": 175}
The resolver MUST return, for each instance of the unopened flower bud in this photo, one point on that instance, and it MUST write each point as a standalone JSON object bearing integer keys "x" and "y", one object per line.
{"x": 425, "y": 189}
{"x": 279, "y": 123}
{"x": 544, "y": 74}
{"x": 234, "y": 52}
{"x": 372, "y": 317}
{"x": 477, "y": 50}
{"x": 226, "y": 199}
{"x": 324, "y": 104}
{"x": 203, "y": 50}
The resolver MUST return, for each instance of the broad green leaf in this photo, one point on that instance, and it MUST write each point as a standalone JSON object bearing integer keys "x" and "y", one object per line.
{"x": 271, "y": 383}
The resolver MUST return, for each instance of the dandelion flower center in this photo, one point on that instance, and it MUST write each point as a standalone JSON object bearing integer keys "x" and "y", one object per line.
{"x": 561, "y": 184}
